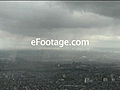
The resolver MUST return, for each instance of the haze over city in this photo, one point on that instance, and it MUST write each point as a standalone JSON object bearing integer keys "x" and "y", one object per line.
{"x": 25, "y": 65}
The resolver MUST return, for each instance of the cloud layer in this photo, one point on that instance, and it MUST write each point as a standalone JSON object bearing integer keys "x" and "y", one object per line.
{"x": 98, "y": 22}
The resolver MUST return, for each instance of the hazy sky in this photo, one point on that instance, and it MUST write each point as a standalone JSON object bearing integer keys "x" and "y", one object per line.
{"x": 20, "y": 22}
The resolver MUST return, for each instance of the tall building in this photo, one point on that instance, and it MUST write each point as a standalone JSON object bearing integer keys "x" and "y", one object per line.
{"x": 88, "y": 80}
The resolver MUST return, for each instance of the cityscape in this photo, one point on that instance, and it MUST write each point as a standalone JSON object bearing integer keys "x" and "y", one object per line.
{"x": 23, "y": 74}
{"x": 59, "y": 45}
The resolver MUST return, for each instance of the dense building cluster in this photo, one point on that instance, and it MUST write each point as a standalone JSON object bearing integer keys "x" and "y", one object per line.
{"x": 58, "y": 76}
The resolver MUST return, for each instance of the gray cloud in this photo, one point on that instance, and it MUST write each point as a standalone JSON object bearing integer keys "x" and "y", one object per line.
{"x": 38, "y": 18}
{"x": 110, "y": 9}
{"x": 60, "y": 20}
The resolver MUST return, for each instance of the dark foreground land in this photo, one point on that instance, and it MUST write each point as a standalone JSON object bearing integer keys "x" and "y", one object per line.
{"x": 24, "y": 72}
{"x": 36, "y": 75}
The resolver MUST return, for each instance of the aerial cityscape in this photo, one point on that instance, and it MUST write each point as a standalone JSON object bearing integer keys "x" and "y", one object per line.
{"x": 59, "y": 73}
{"x": 59, "y": 45}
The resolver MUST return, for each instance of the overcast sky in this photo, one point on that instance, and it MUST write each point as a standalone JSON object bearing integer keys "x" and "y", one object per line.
{"x": 20, "y": 22}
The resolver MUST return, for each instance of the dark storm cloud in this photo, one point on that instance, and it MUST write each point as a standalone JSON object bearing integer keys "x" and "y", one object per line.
{"x": 40, "y": 18}
{"x": 20, "y": 22}
{"x": 108, "y": 8}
